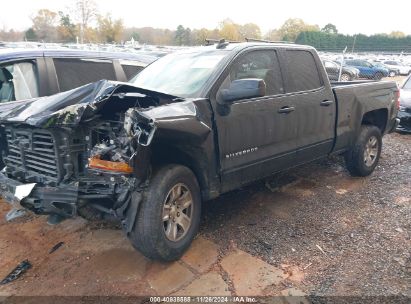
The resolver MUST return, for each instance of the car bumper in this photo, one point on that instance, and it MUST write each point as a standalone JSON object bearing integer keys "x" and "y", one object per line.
{"x": 393, "y": 125}
{"x": 40, "y": 199}
{"x": 404, "y": 121}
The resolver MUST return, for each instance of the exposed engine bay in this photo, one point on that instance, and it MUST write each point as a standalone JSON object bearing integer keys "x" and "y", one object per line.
{"x": 92, "y": 163}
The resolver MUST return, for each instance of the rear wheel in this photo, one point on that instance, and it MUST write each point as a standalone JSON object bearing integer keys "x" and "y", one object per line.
{"x": 363, "y": 157}
{"x": 169, "y": 214}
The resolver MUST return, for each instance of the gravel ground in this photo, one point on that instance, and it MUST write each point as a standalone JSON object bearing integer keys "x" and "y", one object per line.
{"x": 331, "y": 233}
{"x": 349, "y": 236}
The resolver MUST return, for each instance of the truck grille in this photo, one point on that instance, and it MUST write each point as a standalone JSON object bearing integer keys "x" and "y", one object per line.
{"x": 32, "y": 154}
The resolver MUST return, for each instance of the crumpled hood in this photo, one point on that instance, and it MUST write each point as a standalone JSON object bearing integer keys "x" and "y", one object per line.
{"x": 66, "y": 108}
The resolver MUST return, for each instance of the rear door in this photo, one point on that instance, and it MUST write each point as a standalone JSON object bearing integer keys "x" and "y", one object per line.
{"x": 256, "y": 136}
{"x": 311, "y": 95}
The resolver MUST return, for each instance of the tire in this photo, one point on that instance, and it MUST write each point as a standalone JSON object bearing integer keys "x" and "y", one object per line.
{"x": 358, "y": 159}
{"x": 345, "y": 77}
{"x": 392, "y": 74}
{"x": 378, "y": 76}
{"x": 151, "y": 234}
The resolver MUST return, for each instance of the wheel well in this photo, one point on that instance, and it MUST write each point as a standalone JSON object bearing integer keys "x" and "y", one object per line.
{"x": 168, "y": 154}
{"x": 376, "y": 118}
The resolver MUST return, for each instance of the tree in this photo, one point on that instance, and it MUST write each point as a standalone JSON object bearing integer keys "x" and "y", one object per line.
{"x": 396, "y": 34}
{"x": 273, "y": 35}
{"x": 330, "y": 29}
{"x": 85, "y": 12}
{"x": 293, "y": 27}
{"x": 30, "y": 35}
{"x": 230, "y": 30}
{"x": 135, "y": 36}
{"x": 10, "y": 35}
{"x": 250, "y": 30}
{"x": 187, "y": 36}
{"x": 200, "y": 36}
{"x": 44, "y": 25}
{"x": 109, "y": 30}
{"x": 66, "y": 30}
{"x": 179, "y": 36}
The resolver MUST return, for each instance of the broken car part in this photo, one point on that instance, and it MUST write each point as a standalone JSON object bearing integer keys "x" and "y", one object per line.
{"x": 17, "y": 272}
{"x": 15, "y": 213}
{"x": 55, "y": 247}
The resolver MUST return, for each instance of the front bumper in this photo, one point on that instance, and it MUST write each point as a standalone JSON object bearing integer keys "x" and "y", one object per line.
{"x": 60, "y": 200}
{"x": 404, "y": 122}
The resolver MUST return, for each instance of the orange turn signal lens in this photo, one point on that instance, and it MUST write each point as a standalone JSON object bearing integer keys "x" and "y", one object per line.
{"x": 98, "y": 163}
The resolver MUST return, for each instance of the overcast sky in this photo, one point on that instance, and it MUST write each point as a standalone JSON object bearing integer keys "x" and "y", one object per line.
{"x": 350, "y": 16}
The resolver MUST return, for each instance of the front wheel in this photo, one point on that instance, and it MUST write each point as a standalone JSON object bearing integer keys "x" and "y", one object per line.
{"x": 169, "y": 214}
{"x": 363, "y": 157}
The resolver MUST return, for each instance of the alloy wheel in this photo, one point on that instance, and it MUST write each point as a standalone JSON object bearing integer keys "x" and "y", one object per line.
{"x": 371, "y": 151}
{"x": 177, "y": 212}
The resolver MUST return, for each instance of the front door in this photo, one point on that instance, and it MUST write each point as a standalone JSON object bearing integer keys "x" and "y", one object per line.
{"x": 257, "y": 136}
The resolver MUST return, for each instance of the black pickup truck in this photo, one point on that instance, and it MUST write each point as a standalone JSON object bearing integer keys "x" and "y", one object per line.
{"x": 191, "y": 126}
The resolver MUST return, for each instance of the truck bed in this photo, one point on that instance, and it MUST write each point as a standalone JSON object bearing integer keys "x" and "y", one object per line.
{"x": 356, "y": 98}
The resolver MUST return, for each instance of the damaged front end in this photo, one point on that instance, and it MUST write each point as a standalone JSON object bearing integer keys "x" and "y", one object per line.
{"x": 86, "y": 148}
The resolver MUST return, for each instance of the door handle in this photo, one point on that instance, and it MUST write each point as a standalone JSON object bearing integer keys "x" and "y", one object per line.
{"x": 286, "y": 109}
{"x": 326, "y": 103}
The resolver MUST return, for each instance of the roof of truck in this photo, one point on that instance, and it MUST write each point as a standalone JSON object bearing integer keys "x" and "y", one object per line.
{"x": 242, "y": 45}
{"x": 239, "y": 46}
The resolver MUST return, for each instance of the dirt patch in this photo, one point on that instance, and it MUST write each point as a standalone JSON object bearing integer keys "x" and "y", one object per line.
{"x": 327, "y": 234}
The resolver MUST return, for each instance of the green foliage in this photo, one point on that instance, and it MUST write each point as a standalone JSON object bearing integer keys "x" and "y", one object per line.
{"x": 50, "y": 26}
{"x": 182, "y": 36}
{"x": 30, "y": 35}
{"x": 135, "y": 35}
{"x": 324, "y": 41}
{"x": 44, "y": 25}
{"x": 109, "y": 30}
{"x": 67, "y": 30}
{"x": 330, "y": 28}
{"x": 291, "y": 28}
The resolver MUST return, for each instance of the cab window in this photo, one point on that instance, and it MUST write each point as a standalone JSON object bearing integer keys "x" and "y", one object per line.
{"x": 18, "y": 81}
{"x": 257, "y": 64}
{"x": 302, "y": 71}
{"x": 75, "y": 72}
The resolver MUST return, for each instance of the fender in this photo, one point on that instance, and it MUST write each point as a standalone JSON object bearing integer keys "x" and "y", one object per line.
{"x": 178, "y": 133}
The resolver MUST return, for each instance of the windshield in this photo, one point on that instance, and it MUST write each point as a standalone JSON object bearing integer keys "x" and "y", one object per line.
{"x": 180, "y": 74}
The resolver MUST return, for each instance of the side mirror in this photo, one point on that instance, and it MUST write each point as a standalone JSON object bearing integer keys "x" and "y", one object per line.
{"x": 243, "y": 89}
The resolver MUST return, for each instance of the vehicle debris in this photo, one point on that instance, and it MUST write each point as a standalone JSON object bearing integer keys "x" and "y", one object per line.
{"x": 319, "y": 247}
{"x": 55, "y": 247}
{"x": 308, "y": 265}
{"x": 15, "y": 213}
{"x": 17, "y": 272}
